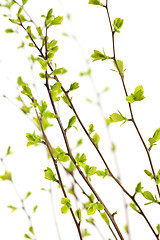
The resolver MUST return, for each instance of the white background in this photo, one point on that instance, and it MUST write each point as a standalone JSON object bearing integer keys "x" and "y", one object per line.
{"x": 138, "y": 46}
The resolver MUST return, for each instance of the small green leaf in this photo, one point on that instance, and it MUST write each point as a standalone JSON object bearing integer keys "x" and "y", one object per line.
{"x": 49, "y": 174}
{"x": 148, "y": 195}
{"x": 59, "y": 71}
{"x": 78, "y": 214}
{"x": 91, "y": 128}
{"x": 26, "y": 90}
{"x": 117, "y": 24}
{"x": 31, "y": 229}
{"x": 95, "y": 2}
{"x": 65, "y": 99}
{"x": 101, "y": 173}
{"x": 99, "y": 56}
{"x": 90, "y": 170}
{"x": 155, "y": 138}
{"x": 79, "y": 142}
{"x": 56, "y": 86}
{"x": 9, "y": 151}
{"x": 92, "y": 209}
{"x": 24, "y": 2}
{"x": 12, "y": 208}
{"x": 105, "y": 218}
{"x": 6, "y": 176}
{"x": 149, "y": 174}
{"x": 58, "y": 20}
{"x": 67, "y": 205}
{"x": 138, "y": 188}
{"x": 27, "y": 195}
{"x": 137, "y": 95}
{"x": 158, "y": 228}
{"x": 115, "y": 117}
{"x": 85, "y": 233}
{"x": 96, "y": 139}
{"x": 99, "y": 206}
{"x": 71, "y": 121}
{"x": 33, "y": 139}
{"x": 120, "y": 66}
{"x": 27, "y": 236}
{"x": 35, "y": 208}
{"x": 134, "y": 207}
{"x": 74, "y": 86}
{"x": 9, "y": 30}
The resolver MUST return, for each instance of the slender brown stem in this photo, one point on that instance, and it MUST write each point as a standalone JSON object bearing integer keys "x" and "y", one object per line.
{"x": 72, "y": 107}
{"x": 130, "y": 107}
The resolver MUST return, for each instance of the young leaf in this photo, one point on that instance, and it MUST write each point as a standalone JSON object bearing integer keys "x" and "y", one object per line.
{"x": 115, "y": 117}
{"x": 155, "y": 138}
{"x": 101, "y": 173}
{"x": 99, "y": 206}
{"x": 85, "y": 233}
{"x": 74, "y": 86}
{"x": 117, "y": 24}
{"x": 96, "y": 139}
{"x": 31, "y": 229}
{"x": 105, "y": 218}
{"x": 120, "y": 66}
{"x": 9, "y": 151}
{"x": 71, "y": 121}
{"x": 33, "y": 139}
{"x": 59, "y": 71}
{"x": 27, "y": 195}
{"x": 134, "y": 207}
{"x": 58, "y": 20}
{"x": 6, "y": 176}
{"x": 95, "y": 2}
{"x": 149, "y": 174}
{"x": 92, "y": 209}
{"x": 78, "y": 214}
{"x": 27, "y": 236}
{"x": 24, "y": 1}
{"x": 67, "y": 205}
{"x": 12, "y": 208}
{"x": 49, "y": 174}
{"x": 35, "y": 208}
{"x": 99, "y": 56}
{"x": 158, "y": 228}
{"x": 136, "y": 96}
{"x": 138, "y": 188}
{"x": 91, "y": 128}
{"x": 148, "y": 195}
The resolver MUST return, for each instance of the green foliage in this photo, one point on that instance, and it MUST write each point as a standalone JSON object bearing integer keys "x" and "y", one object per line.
{"x": 59, "y": 71}
{"x": 27, "y": 236}
{"x": 71, "y": 167}
{"x": 24, "y": 2}
{"x": 93, "y": 207}
{"x": 88, "y": 73}
{"x": 149, "y": 196}
{"x": 117, "y": 24}
{"x": 8, "y": 151}
{"x": 138, "y": 188}
{"x": 27, "y": 195}
{"x": 148, "y": 173}
{"x": 50, "y": 175}
{"x": 90, "y": 171}
{"x": 60, "y": 155}
{"x": 33, "y": 139}
{"x": 91, "y": 128}
{"x": 115, "y": 117}
{"x": 6, "y": 176}
{"x": 9, "y": 30}
{"x": 99, "y": 56}
{"x": 137, "y": 95}
{"x": 74, "y": 86}
{"x": 96, "y": 139}
{"x": 95, "y": 2}
{"x": 101, "y": 173}
{"x": 43, "y": 63}
{"x": 105, "y": 218}
{"x": 31, "y": 229}
{"x": 71, "y": 121}
{"x": 35, "y": 208}
{"x": 13, "y": 209}
{"x": 85, "y": 233}
{"x": 78, "y": 214}
{"x": 119, "y": 66}
{"x": 79, "y": 142}
{"x": 134, "y": 207}
{"x": 26, "y": 90}
{"x": 158, "y": 228}
{"x": 80, "y": 159}
{"x": 42, "y": 108}
{"x": 155, "y": 138}
{"x": 66, "y": 205}
{"x": 65, "y": 99}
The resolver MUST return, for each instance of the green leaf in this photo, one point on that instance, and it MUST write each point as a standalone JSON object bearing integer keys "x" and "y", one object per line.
{"x": 138, "y": 188}
{"x": 99, "y": 206}
{"x": 88, "y": 73}
{"x": 91, "y": 128}
{"x": 155, "y": 138}
{"x": 67, "y": 205}
{"x": 134, "y": 207}
{"x": 56, "y": 86}
{"x": 117, "y": 24}
{"x": 148, "y": 195}
{"x": 85, "y": 233}
{"x": 115, "y": 117}
{"x": 9, "y": 30}
{"x": 50, "y": 175}
{"x": 120, "y": 66}
{"x": 158, "y": 228}
{"x": 105, "y": 218}
{"x": 6, "y": 176}
{"x": 31, "y": 229}
{"x": 79, "y": 142}
{"x": 92, "y": 209}
{"x": 27, "y": 236}
{"x": 101, "y": 173}
{"x": 59, "y": 71}
{"x": 26, "y": 91}
{"x": 149, "y": 174}
{"x": 74, "y": 86}
{"x": 71, "y": 121}
{"x": 95, "y": 2}
{"x": 9, "y": 151}
{"x": 90, "y": 170}
{"x": 35, "y": 208}
{"x": 27, "y": 195}
{"x": 12, "y": 208}
{"x": 64, "y": 209}
{"x": 43, "y": 63}
{"x": 33, "y": 139}
{"x": 78, "y": 214}
{"x": 42, "y": 108}
{"x": 58, "y": 20}
{"x": 65, "y": 99}
{"x": 96, "y": 139}
{"x": 24, "y": 2}
{"x": 136, "y": 96}
{"x": 99, "y": 56}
